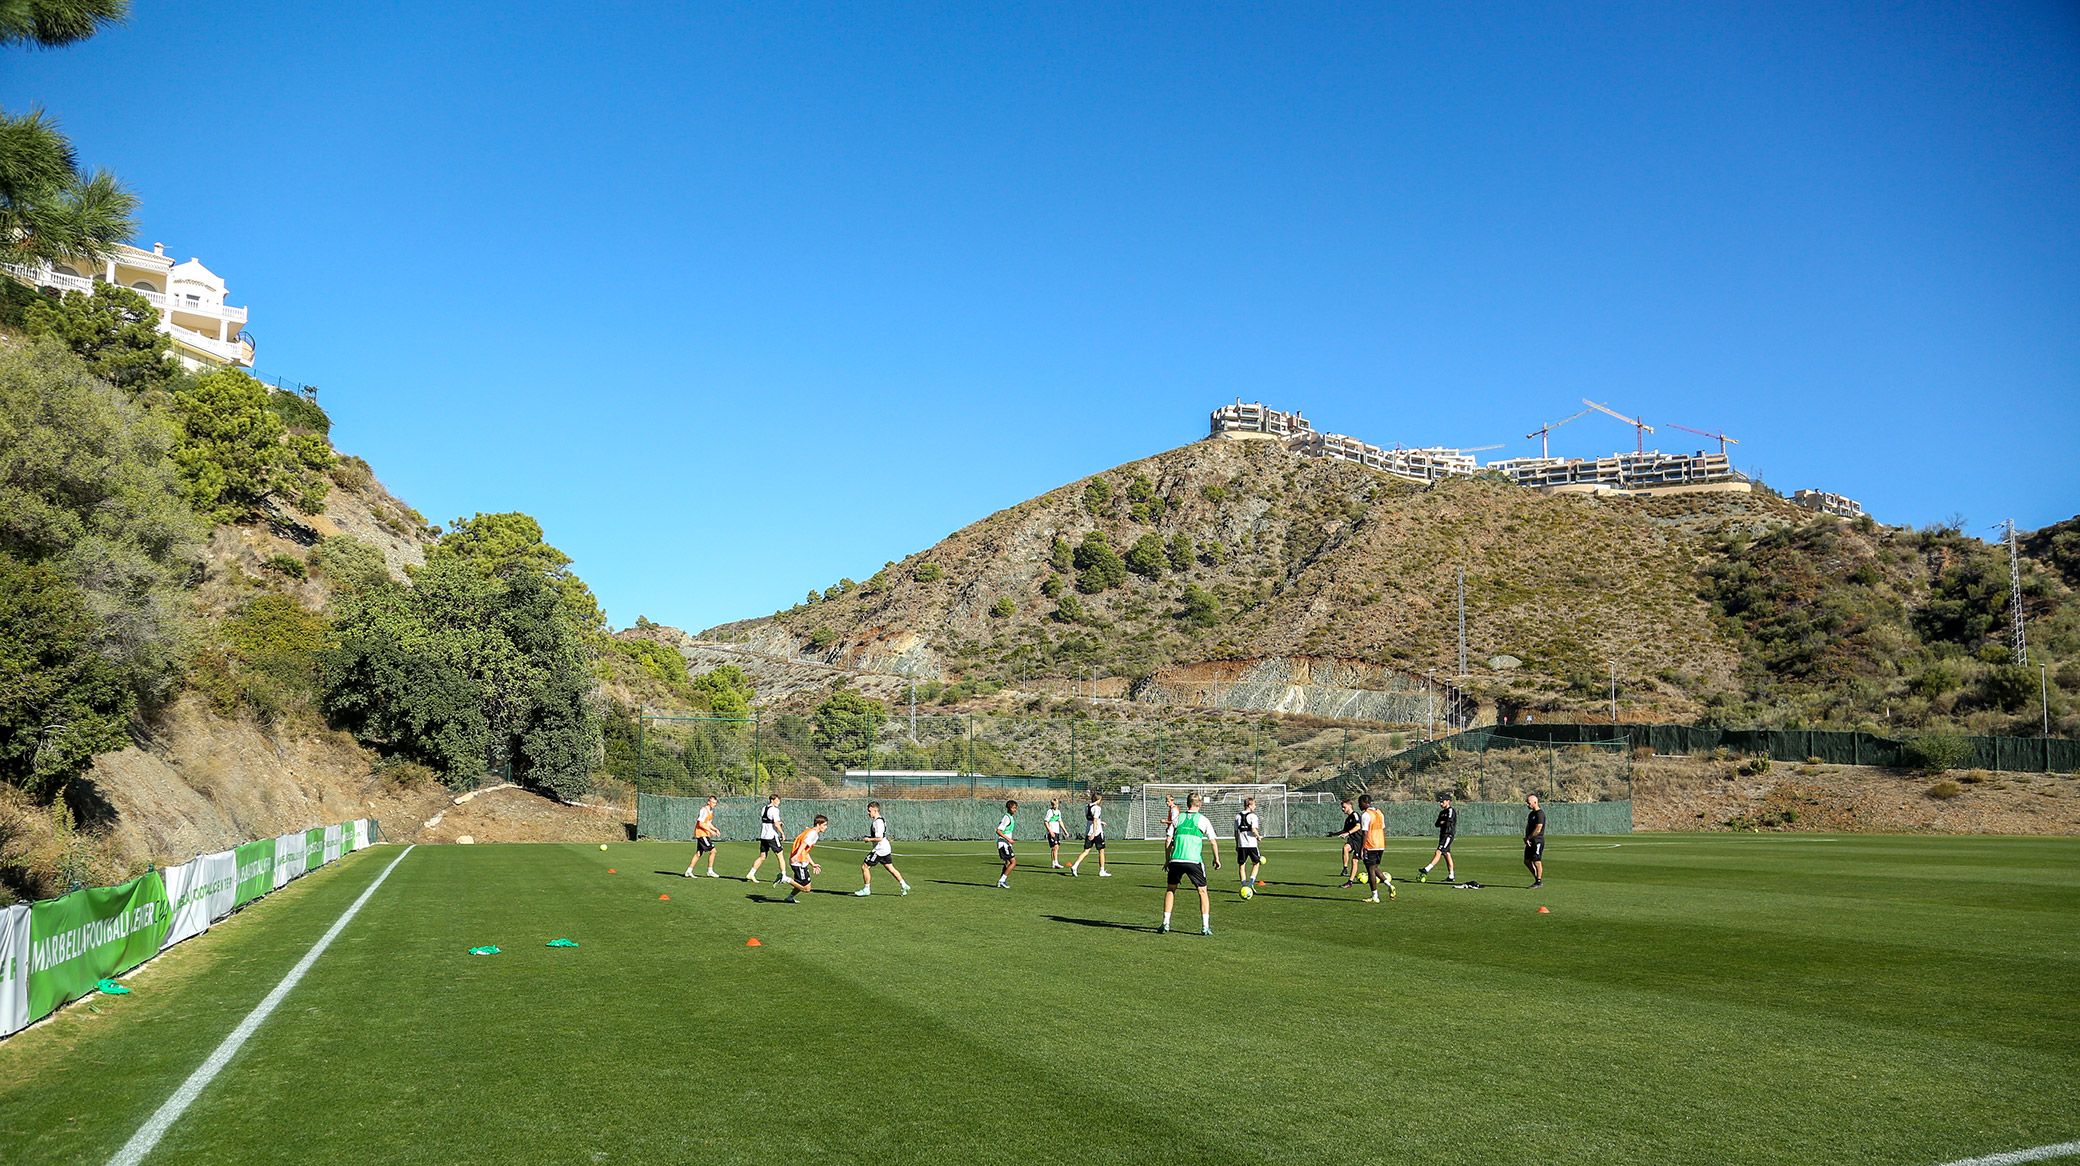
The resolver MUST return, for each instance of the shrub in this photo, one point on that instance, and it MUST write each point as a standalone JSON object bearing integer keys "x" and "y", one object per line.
{"x": 1148, "y": 556}
{"x": 1004, "y": 608}
{"x": 299, "y": 414}
{"x": 1753, "y": 766}
{"x": 1938, "y": 752}
{"x": 284, "y": 564}
{"x": 1098, "y": 566}
{"x": 927, "y": 573}
{"x": 822, "y": 637}
{"x": 1943, "y": 791}
{"x": 1095, "y": 495}
{"x": 1214, "y": 492}
{"x": 1200, "y": 609}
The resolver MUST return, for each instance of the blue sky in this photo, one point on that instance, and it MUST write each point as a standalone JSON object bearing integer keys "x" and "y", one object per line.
{"x": 741, "y": 299}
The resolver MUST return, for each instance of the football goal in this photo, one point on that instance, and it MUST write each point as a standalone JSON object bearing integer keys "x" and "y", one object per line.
{"x": 1220, "y": 802}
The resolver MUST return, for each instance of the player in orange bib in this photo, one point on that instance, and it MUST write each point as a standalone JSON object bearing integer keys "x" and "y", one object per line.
{"x": 705, "y": 832}
{"x": 1368, "y": 839}
{"x": 801, "y": 858}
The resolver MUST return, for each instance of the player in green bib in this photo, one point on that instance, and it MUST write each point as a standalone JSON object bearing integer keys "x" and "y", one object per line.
{"x": 1189, "y": 838}
{"x": 1054, "y": 834}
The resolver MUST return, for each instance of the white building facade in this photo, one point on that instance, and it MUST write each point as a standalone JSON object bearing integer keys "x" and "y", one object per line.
{"x": 206, "y": 331}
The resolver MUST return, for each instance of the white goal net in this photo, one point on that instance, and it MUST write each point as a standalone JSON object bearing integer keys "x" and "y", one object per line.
{"x": 1147, "y": 812}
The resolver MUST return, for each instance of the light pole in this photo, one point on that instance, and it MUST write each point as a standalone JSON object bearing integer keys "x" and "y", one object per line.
{"x": 2044, "y": 693}
{"x": 1614, "y": 695}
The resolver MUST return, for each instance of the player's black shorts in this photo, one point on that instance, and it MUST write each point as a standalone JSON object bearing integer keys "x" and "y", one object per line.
{"x": 880, "y": 859}
{"x": 1095, "y": 842}
{"x": 1535, "y": 850}
{"x": 1004, "y": 851}
{"x": 1372, "y": 857}
{"x": 1194, "y": 871}
{"x": 1054, "y": 837}
{"x": 1444, "y": 843}
{"x": 802, "y": 873}
{"x": 1247, "y": 854}
{"x": 703, "y": 845}
{"x": 769, "y": 846}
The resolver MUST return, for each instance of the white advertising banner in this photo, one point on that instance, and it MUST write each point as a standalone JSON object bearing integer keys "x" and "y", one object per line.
{"x": 198, "y": 891}
{"x": 360, "y": 826}
{"x": 333, "y": 839}
{"x": 288, "y": 859}
{"x": 14, "y": 968}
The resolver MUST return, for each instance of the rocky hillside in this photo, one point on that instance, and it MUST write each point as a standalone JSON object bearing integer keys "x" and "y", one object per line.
{"x": 1238, "y": 575}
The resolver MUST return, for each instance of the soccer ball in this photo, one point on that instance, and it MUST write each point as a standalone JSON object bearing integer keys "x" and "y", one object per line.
{"x": 1248, "y": 892}
{"x": 602, "y": 846}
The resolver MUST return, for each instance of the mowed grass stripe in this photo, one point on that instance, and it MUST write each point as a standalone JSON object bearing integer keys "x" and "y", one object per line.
{"x": 76, "y": 1087}
{"x": 965, "y": 1023}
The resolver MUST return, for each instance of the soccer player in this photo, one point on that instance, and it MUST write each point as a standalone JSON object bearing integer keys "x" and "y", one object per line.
{"x": 705, "y": 832}
{"x": 1349, "y": 836}
{"x": 769, "y": 836}
{"x": 802, "y": 857}
{"x": 1093, "y": 837}
{"x": 1249, "y": 835}
{"x": 1535, "y": 842}
{"x": 1054, "y": 834}
{"x": 1369, "y": 839}
{"x": 1005, "y": 826}
{"x": 1191, "y": 833}
{"x": 1447, "y": 829}
{"x": 1170, "y": 813}
{"x": 879, "y": 853}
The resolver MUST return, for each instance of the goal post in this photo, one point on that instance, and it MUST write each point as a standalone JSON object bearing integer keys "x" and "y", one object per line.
{"x": 1220, "y": 802}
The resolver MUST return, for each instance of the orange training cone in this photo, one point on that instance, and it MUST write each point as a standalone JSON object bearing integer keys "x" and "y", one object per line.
{"x": 662, "y": 898}
{"x": 753, "y": 942}
{"x": 1543, "y": 911}
{"x": 610, "y": 870}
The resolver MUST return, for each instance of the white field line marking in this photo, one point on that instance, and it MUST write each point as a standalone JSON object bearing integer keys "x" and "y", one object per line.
{"x": 148, "y": 1135}
{"x": 2012, "y": 1157}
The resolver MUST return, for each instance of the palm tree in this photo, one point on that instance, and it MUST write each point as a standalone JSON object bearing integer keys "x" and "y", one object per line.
{"x": 51, "y": 23}
{"x": 48, "y": 209}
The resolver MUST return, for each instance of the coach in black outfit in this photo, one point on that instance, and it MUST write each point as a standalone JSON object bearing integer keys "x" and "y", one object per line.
{"x": 1535, "y": 841}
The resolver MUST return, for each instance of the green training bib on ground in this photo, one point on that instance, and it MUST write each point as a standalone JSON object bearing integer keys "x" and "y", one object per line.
{"x": 487, "y": 949}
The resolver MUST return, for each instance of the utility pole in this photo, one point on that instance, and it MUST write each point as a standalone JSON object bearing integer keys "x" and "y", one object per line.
{"x": 1614, "y": 694}
{"x": 2021, "y": 640}
{"x": 1462, "y": 621}
{"x": 2044, "y": 694}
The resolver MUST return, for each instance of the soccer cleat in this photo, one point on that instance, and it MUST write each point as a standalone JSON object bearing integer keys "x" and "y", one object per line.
{"x": 906, "y": 888}
{"x": 1390, "y": 894}
{"x": 1055, "y": 866}
{"x": 789, "y": 899}
{"x": 1538, "y": 882}
{"x": 861, "y": 893}
{"x": 1206, "y": 931}
{"x": 1072, "y": 871}
{"x": 1104, "y": 874}
{"x": 712, "y": 874}
{"x": 1162, "y": 928}
{"x": 689, "y": 873}
{"x": 750, "y": 878}
{"x": 1347, "y": 885}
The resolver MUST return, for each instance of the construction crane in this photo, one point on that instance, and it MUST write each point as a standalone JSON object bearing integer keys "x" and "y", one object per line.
{"x": 1721, "y": 438}
{"x": 1542, "y": 431}
{"x": 1641, "y": 427}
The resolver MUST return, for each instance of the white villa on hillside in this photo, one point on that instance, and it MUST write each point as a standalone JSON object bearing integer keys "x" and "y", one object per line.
{"x": 206, "y": 332}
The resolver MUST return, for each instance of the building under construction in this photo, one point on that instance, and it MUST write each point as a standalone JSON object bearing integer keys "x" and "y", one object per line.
{"x": 1838, "y": 505}
{"x": 1644, "y": 471}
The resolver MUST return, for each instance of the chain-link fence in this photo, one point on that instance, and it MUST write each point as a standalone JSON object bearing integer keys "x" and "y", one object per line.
{"x": 957, "y": 755}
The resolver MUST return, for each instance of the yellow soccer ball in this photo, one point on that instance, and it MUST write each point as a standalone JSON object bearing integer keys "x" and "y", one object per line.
{"x": 1248, "y": 892}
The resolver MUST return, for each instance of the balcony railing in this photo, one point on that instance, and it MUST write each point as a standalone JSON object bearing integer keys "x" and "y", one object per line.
{"x": 46, "y": 277}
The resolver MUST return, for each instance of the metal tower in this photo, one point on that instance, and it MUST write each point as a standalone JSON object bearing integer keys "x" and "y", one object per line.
{"x": 2020, "y": 646}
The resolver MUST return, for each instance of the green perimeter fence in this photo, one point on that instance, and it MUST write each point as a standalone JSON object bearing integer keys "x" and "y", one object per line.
{"x": 1837, "y": 747}
{"x": 667, "y": 818}
{"x": 888, "y": 753}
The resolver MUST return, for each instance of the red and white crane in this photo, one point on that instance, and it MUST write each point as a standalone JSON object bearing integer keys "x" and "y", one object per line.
{"x": 1641, "y": 428}
{"x": 1721, "y": 438}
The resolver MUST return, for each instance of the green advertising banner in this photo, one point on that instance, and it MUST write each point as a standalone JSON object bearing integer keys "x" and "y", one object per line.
{"x": 313, "y": 848}
{"x": 255, "y": 870}
{"x": 92, "y": 934}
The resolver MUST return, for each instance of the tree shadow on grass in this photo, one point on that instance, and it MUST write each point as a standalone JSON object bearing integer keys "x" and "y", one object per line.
{"x": 1111, "y": 923}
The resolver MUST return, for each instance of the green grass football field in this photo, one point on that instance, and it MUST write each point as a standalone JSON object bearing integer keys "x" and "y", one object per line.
{"x": 1688, "y": 999}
